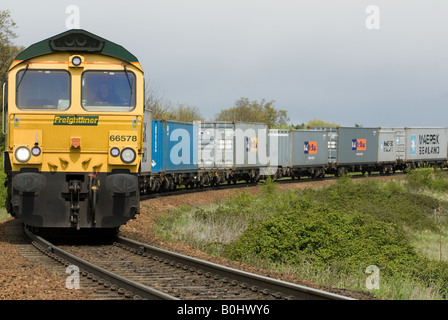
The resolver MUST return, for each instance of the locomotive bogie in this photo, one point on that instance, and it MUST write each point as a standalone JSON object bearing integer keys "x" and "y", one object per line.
{"x": 47, "y": 200}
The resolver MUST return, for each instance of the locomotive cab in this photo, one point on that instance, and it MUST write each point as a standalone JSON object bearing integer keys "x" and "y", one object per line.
{"x": 73, "y": 115}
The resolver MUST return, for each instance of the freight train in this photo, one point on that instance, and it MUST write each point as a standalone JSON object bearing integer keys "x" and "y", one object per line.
{"x": 80, "y": 147}
{"x": 210, "y": 153}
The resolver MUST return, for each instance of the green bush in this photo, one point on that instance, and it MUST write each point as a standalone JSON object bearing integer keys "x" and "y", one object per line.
{"x": 326, "y": 237}
{"x": 427, "y": 178}
{"x": 388, "y": 203}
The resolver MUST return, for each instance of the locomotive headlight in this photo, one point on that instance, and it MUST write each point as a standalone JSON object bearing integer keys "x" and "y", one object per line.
{"x": 23, "y": 154}
{"x": 35, "y": 151}
{"x": 128, "y": 155}
{"x": 76, "y": 61}
{"x": 114, "y": 152}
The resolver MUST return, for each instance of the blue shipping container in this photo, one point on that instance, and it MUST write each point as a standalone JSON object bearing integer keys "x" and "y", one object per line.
{"x": 174, "y": 147}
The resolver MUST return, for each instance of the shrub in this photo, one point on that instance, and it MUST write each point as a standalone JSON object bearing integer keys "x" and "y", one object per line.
{"x": 326, "y": 237}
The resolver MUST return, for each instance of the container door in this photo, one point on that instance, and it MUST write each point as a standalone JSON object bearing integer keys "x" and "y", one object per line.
{"x": 147, "y": 154}
{"x": 157, "y": 146}
{"x": 387, "y": 146}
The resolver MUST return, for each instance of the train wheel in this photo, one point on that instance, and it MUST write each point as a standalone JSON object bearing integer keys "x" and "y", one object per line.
{"x": 340, "y": 172}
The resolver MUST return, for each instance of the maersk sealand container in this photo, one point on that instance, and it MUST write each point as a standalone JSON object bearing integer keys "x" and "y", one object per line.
{"x": 426, "y": 144}
{"x": 174, "y": 147}
{"x": 357, "y": 145}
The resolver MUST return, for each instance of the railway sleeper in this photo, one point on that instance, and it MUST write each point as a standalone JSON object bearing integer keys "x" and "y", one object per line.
{"x": 209, "y": 275}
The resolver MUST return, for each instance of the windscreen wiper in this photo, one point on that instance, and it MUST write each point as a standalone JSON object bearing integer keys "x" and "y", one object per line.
{"x": 130, "y": 85}
{"x": 23, "y": 75}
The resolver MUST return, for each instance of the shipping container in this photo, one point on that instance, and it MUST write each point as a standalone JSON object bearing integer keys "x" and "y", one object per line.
{"x": 400, "y": 142}
{"x": 251, "y": 145}
{"x": 280, "y": 148}
{"x": 309, "y": 148}
{"x": 216, "y": 145}
{"x": 332, "y": 139}
{"x": 357, "y": 145}
{"x": 174, "y": 147}
{"x": 426, "y": 144}
{"x": 387, "y": 146}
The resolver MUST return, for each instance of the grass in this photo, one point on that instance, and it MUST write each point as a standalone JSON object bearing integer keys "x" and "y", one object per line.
{"x": 3, "y": 214}
{"x": 432, "y": 245}
{"x": 330, "y": 235}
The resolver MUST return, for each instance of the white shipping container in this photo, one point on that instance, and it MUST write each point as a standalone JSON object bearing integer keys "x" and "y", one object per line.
{"x": 400, "y": 145}
{"x": 387, "y": 144}
{"x": 216, "y": 146}
{"x": 426, "y": 144}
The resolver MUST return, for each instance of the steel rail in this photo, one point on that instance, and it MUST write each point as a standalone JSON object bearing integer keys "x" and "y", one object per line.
{"x": 138, "y": 290}
{"x": 256, "y": 282}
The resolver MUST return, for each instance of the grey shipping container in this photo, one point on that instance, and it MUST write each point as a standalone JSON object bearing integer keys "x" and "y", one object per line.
{"x": 251, "y": 145}
{"x": 216, "y": 145}
{"x": 357, "y": 145}
{"x": 279, "y": 147}
{"x": 424, "y": 144}
{"x": 332, "y": 138}
{"x": 387, "y": 143}
{"x": 309, "y": 148}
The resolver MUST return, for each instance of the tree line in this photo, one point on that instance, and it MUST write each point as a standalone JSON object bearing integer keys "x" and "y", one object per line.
{"x": 7, "y": 53}
{"x": 244, "y": 110}
{"x": 7, "y": 48}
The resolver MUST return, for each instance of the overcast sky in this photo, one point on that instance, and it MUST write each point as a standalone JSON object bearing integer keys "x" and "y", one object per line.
{"x": 339, "y": 61}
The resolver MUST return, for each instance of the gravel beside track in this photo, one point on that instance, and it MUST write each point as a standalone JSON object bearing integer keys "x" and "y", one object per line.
{"x": 22, "y": 278}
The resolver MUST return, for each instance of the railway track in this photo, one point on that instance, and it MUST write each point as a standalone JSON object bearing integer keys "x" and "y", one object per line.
{"x": 34, "y": 253}
{"x": 138, "y": 271}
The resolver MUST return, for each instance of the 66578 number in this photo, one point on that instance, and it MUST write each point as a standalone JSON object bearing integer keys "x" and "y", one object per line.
{"x": 123, "y": 138}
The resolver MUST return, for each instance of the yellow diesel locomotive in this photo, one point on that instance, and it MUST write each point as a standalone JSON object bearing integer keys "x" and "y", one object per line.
{"x": 73, "y": 115}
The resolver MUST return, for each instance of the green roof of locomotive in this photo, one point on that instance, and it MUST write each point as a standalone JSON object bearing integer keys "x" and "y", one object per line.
{"x": 76, "y": 40}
